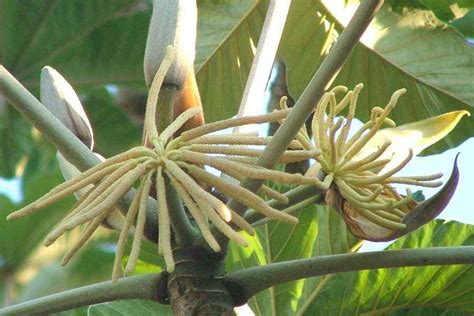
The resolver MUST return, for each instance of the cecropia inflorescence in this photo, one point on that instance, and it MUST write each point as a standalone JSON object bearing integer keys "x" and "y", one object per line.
{"x": 361, "y": 168}
{"x": 179, "y": 162}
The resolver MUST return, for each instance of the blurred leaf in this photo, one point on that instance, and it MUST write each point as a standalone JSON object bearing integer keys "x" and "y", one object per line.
{"x": 149, "y": 260}
{"x": 89, "y": 42}
{"x": 129, "y": 307}
{"x": 113, "y": 131}
{"x": 445, "y": 10}
{"x": 15, "y": 133}
{"x": 91, "y": 264}
{"x": 418, "y": 196}
{"x": 383, "y": 291}
{"x": 429, "y": 312}
{"x": 465, "y": 25}
{"x": 93, "y": 43}
{"x": 20, "y": 237}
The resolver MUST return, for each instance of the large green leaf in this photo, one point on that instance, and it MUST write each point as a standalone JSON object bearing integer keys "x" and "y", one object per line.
{"x": 383, "y": 291}
{"x": 333, "y": 238}
{"x": 421, "y": 290}
{"x": 320, "y": 231}
{"x": 413, "y": 50}
{"x": 254, "y": 254}
{"x": 226, "y": 32}
{"x": 286, "y": 242}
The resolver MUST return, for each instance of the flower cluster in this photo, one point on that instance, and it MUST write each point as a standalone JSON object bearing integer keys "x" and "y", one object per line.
{"x": 361, "y": 169}
{"x": 356, "y": 173}
{"x": 181, "y": 163}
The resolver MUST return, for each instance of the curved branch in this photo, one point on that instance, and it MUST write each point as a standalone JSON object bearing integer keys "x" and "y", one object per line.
{"x": 63, "y": 139}
{"x": 246, "y": 283}
{"x": 147, "y": 287}
{"x": 314, "y": 91}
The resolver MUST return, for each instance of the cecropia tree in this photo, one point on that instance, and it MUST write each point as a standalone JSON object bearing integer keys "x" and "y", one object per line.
{"x": 206, "y": 192}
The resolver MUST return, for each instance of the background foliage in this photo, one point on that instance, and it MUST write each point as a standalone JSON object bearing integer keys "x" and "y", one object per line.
{"x": 98, "y": 46}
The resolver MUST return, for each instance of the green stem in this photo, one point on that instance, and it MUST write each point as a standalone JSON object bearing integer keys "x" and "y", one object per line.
{"x": 147, "y": 287}
{"x": 185, "y": 232}
{"x": 313, "y": 92}
{"x": 292, "y": 208}
{"x": 301, "y": 192}
{"x": 246, "y": 283}
{"x": 64, "y": 140}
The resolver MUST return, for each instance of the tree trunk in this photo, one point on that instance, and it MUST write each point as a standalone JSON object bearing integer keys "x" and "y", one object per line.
{"x": 196, "y": 286}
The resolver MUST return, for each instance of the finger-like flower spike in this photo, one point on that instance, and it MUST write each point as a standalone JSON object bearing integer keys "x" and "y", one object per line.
{"x": 360, "y": 170}
{"x": 179, "y": 162}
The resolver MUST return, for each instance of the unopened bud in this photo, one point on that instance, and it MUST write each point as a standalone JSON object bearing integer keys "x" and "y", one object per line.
{"x": 59, "y": 98}
{"x": 173, "y": 22}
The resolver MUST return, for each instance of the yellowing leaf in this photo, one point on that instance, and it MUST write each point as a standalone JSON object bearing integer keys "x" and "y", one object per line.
{"x": 416, "y": 136}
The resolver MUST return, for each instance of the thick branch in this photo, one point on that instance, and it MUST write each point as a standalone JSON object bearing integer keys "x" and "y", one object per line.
{"x": 63, "y": 139}
{"x": 314, "y": 91}
{"x": 246, "y": 283}
{"x": 147, "y": 287}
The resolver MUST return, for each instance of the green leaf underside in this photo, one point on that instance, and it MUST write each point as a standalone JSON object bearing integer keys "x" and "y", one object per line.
{"x": 320, "y": 231}
{"x": 397, "y": 291}
{"x": 380, "y": 292}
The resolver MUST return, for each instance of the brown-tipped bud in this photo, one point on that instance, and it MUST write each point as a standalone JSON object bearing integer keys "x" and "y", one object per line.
{"x": 59, "y": 98}
{"x": 173, "y": 22}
